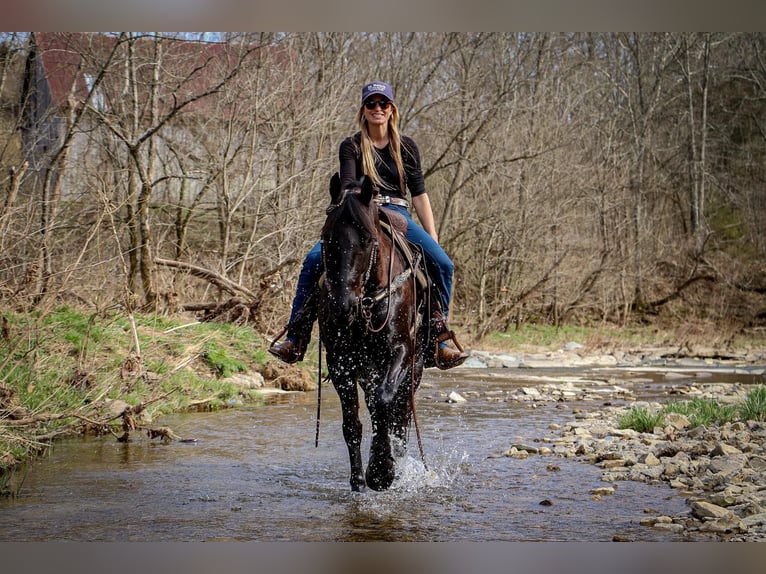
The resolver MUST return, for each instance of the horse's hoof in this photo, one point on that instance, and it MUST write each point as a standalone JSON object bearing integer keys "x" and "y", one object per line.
{"x": 382, "y": 480}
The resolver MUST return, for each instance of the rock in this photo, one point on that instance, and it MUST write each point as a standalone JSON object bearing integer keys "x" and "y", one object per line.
{"x": 669, "y": 526}
{"x": 728, "y": 465}
{"x": 516, "y": 453}
{"x": 754, "y": 520}
{"x": 706, "y": 510}
{"x": 697, "y": 432}
{"x": 474, "y": 362}
{"x": 675, "y": 465}
{"x": 723, "y": 498}
{"x": 615, "y": 463}
{"x": 455, "y": 397}
{"x": 677, "y": 421}
{"x": 649, "y": 459}
{"x": 722, "y": 449}
{"x": 602, "y": 491}
{"x": 723, "y": 525}
{"x": 527, "y": 448}
{"x": 249, "y": 381}
{"x": 115, "y": 406}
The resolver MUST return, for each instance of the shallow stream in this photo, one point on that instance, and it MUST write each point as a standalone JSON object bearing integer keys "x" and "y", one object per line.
{"x": 254, "y": 474}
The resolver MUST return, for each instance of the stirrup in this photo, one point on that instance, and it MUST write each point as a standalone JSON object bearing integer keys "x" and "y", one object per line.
{"x": 290, "y": 351}
{"x": 460, "y": 354}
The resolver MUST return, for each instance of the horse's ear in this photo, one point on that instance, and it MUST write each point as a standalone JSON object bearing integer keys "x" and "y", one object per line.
{"x": 335, "y": 187}
{"x": 368, "y": 189}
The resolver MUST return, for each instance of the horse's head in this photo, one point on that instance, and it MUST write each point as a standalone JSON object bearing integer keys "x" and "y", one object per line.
{"x": 350, "y": 244}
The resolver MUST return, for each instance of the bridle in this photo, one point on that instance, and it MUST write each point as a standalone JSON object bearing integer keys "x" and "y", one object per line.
{"x": 367, "y": 300}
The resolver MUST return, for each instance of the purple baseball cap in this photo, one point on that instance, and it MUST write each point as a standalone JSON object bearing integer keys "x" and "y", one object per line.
{"x": 381, "y": 88}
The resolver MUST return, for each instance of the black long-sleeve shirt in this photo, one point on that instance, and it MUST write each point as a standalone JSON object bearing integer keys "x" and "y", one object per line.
{"x": 350, "y": 154}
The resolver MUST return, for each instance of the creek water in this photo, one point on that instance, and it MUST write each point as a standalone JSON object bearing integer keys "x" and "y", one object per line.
{"x": 254, "y": 474}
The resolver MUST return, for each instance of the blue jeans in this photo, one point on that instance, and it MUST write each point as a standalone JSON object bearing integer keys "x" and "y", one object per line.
{"x": 438, "y": 264}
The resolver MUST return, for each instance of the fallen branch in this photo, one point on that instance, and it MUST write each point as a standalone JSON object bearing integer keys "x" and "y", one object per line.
{"x": 211, "y": 276}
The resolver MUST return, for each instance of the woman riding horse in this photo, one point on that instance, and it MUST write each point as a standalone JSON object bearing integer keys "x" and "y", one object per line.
{"x": 392, "y": 161}
{"x": 370, "y": 320}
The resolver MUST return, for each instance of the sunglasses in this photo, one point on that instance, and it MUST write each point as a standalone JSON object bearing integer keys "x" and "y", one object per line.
{"x": 372, "y": 104}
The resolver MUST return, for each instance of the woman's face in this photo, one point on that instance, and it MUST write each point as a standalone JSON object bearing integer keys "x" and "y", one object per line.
{"x": 380, "y": 112}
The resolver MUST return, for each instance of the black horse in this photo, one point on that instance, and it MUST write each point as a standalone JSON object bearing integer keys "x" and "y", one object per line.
{"x": 370, "y": 322}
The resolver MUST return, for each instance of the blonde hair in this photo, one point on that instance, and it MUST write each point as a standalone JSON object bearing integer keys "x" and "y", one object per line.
{"x": 368, "y": 150}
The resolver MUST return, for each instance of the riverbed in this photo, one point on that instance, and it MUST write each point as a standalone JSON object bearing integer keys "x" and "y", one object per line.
{"x": 253, "y": 473}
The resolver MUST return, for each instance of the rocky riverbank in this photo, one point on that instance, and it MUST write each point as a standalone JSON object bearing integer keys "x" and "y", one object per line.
{"x": 720, "y": 470}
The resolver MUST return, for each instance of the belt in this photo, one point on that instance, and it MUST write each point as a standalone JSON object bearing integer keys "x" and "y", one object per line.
{"x": 386, "y": 199}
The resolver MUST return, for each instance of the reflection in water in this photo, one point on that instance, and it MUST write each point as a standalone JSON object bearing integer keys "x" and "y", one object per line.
{"x": 254, "y": 474}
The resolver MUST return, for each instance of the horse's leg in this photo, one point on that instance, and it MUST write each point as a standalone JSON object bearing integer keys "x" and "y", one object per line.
{"x": 352, "y": 432}
{"x": 400, "y": 421}
{"x": 380, "y": 468}
{"x": 381, "y": 402}
{"x": 398, "y": 391}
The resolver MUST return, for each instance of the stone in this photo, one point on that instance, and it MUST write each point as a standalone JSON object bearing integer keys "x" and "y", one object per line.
{"x": 697, "y": 432}
{"x": 602, "y": 491}
{"x": 615, "y": 463}
{"x": 723, "y": 449}
{"x": 677, "y": 420}
{"x": 669, "y": 526}
{"x": 649, "y": 459}
{"x": 527, "y": 448}
{"x": 723, "y": 526}
{"x": 728, "y": 465}
{"x": 675, "y": 465}
{"x": 249, "y": 381}
{"x": 754, "y": 520}
{"x": 455, "y": 397}
{"x": 518, "y": 454}
{"x": 702, "y": 510}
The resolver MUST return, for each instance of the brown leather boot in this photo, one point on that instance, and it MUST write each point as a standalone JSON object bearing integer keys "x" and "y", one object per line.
{"x": 293, "y": 348}
{"x": 289, "y": 351}
{"x": 444, "y": 357}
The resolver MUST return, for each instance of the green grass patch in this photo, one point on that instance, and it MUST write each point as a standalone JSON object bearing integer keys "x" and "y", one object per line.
{"x": 699, "y": 411}
{"x": 222, "y": 363}
{"x": 641, "y": 420}
{"x": 754, "y": 406}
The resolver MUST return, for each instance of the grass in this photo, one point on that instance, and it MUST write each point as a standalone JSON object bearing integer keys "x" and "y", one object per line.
{"x": 754, "y": 406}
{"x": 699, "y": 411}
{"x": 39, "y": 359}
{"x": 641, "y": 420}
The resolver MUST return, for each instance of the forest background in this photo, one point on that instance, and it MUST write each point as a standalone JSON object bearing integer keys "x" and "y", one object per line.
{"x": 577, "y": 178}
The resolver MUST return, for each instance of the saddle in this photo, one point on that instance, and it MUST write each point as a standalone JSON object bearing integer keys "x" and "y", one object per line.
{"x": 396, "y": 228}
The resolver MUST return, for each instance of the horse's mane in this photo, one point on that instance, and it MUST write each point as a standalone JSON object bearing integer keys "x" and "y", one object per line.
{"x": 351, "y": 210}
